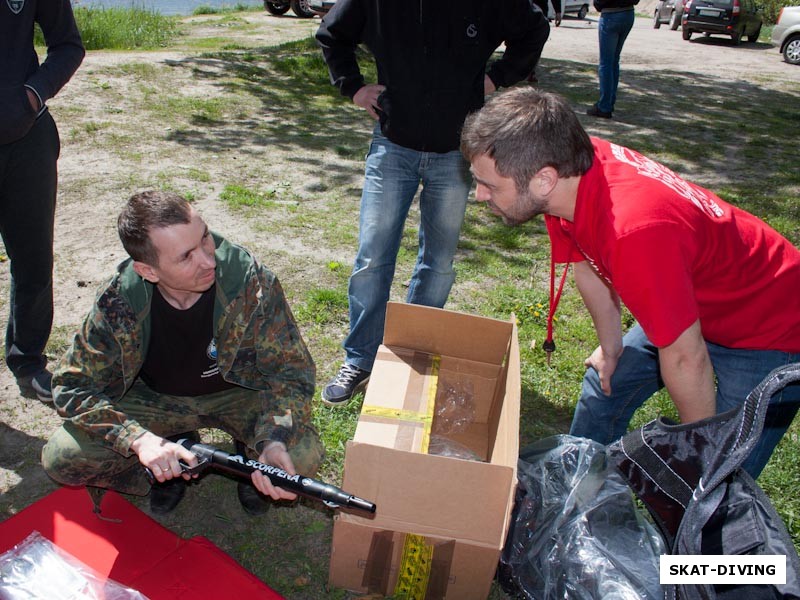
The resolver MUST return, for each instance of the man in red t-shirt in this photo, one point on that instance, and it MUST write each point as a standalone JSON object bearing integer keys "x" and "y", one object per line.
{"x": 714, "y": 289}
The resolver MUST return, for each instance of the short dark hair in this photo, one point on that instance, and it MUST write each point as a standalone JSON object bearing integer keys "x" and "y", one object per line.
{"x": 144, "y": 212}
{"x": 524, "y": 130}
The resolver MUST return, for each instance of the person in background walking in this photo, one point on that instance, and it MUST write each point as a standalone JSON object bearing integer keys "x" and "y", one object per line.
{"x": 616, "y": 22}
{"x": 29, "y": 149}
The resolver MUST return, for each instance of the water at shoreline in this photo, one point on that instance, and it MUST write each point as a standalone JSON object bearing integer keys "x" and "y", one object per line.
{"x": 167, "y": 7}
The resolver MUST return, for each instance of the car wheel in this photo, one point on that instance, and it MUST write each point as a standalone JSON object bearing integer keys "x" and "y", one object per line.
{"x": 736, "y": 37}
{"x": 791, "y": 51}
{"x": 583, "y": 11}
{"x": 656, "y": 20}
{"x": 687, "y": 33}
{"x": 674, "y": 20}
{"x": 302, "y": 9}
{"x": 276, "y": 8}
{"x": 754, "y": 36}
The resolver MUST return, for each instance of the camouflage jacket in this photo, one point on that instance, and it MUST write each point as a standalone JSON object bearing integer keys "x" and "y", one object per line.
{"x": 258, "y": 344}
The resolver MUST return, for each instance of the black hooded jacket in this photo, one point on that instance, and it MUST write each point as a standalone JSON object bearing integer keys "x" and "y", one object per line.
{"x": 431, "y": 56}
{"x": 19, "y": 65}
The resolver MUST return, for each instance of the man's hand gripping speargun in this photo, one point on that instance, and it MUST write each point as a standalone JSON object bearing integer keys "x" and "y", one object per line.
{"x": 330, "y": 495}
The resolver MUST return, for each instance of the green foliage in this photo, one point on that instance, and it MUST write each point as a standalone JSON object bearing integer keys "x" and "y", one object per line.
{"x": 122, "y": 28}
{"x": 217, "y": 10}
{"x": 323, "y": 306}
{"x": 336, "y": 426}
{"x": 772, "y": 8}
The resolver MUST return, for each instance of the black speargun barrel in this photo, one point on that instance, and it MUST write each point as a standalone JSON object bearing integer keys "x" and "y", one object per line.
{"x": 299, "y": 484}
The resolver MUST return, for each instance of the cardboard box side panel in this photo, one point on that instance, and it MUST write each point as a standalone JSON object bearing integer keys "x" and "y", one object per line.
{"x": 395, "y": 371}
{"x": 504, "y": 422}
{"x": 506, "y": 448}
{"x": 368, "y": 560}
{"x": 431, "y": 495}
{"x": 439, "y": 331}
{"x": 475, "y": 438}
{"x": 396, "y": 405}
{"x": 473, "y": 379}
{"x": 397, "y": 400}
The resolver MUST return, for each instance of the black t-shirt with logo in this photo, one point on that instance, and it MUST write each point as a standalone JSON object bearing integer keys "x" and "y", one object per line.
{"x": 182, "y": 357}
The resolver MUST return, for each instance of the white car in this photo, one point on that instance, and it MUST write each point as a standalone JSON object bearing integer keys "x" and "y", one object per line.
{"x": 321, "y": 7}
{"x": 578, "y": 7}
{"x": 786, "y": 34}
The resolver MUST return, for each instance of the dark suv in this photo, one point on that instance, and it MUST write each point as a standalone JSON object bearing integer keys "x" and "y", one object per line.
{"x": 736, "y": 18}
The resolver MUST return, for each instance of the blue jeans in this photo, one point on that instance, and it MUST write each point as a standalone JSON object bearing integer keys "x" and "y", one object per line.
{"x": 393, "y": 174}
{"x": 27, "y": 213}
{"x": 605, "y": 418}
{"x": 612, "y": 30}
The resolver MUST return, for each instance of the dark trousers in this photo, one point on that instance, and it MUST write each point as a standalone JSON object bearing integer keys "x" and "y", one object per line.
{"x": 75, "y": 457}
{"x": 28, "y": 179}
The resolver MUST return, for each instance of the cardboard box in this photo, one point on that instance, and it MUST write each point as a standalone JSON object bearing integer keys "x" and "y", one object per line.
{"x": 441, "y": 521}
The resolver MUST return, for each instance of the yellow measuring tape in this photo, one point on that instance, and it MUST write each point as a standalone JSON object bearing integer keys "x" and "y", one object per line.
{"x": 425, "y": 418}
{"x": 415, "y": 568}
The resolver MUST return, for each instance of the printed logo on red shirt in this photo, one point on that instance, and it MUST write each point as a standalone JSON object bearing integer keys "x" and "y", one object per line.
{"x": 650, "y": 168}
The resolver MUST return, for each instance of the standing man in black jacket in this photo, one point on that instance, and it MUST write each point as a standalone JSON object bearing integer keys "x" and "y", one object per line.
{"x": 431, "y": 57}
{"x": 29, "y": 148}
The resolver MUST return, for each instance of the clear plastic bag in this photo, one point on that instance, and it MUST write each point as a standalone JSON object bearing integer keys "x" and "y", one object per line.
{"x": 455, "y": 406}
{"x": 441, "y": 446}
{"x": 37, "y": 569}
{"x": 576, "y": 532}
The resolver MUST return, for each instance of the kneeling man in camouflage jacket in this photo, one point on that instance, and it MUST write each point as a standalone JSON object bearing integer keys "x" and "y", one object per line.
{"x": 190, "y": 332}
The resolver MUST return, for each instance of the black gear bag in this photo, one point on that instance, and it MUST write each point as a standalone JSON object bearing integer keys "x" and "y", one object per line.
{"x": 576, "y": 534}
{"x": 690, "y": 479}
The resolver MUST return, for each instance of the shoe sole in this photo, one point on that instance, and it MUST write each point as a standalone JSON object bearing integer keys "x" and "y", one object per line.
{"x": 344, "y": 401}
{"x": 30, "y": 394}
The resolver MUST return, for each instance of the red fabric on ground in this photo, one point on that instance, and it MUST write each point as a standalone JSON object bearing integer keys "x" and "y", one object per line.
{"x": 134, "y": 549}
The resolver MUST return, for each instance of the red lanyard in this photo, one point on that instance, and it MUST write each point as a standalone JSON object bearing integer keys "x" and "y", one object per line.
{"x": 549, "y": 345}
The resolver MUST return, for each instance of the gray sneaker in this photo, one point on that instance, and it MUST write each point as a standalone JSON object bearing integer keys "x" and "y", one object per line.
{"x": 37, "y": 386}
{"x": 342, "y": 387}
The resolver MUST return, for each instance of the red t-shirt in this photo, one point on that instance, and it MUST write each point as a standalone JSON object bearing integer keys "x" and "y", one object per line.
{"x": 675, "y": 252}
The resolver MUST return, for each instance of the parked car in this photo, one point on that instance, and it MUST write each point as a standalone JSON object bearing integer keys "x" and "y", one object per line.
{"x": 786, "y": 34}
{"x": 280, "y": 7}
{"x": 668, "y": 11}
{"x": 736, "y": 18}
{"x": 321, "y": 7}
{"x": 579, "y": 7}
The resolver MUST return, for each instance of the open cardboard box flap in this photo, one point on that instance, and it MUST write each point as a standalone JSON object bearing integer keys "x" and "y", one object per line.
{"x": 430, "y": 495}
{"x": 439, "y": 331}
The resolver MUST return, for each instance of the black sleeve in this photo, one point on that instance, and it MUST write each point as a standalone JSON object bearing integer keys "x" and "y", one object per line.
{"x": 64, "y": 48}
{"x": 338, "y": 35}
{"x": 525, "y": 31}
